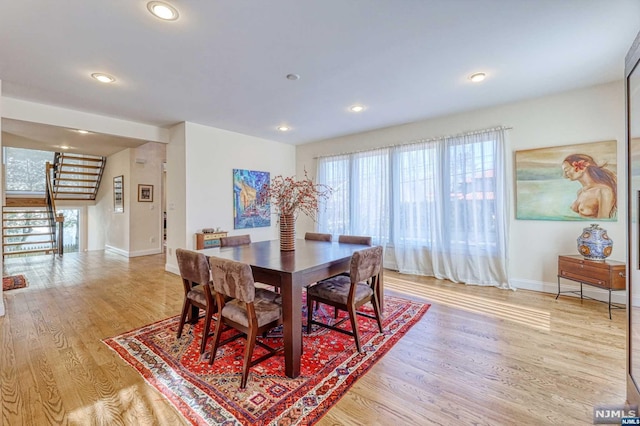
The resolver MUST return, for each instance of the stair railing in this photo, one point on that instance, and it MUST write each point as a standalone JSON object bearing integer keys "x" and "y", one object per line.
{"x": 54, "y": 218}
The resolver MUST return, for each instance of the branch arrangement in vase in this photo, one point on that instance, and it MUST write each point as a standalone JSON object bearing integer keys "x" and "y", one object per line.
{"x": 290, "y": 195}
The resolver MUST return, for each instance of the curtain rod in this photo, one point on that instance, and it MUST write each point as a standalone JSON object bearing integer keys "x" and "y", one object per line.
{"x": 415, "y": 141}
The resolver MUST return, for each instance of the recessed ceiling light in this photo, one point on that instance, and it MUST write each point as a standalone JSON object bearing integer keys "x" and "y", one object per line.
{"x": 293, "y": 77}
{"x": 163, "y": 10}
{"x": 103, "y": 78}
{"x": 477, "y": 77}
{"x": 356, "y": 108}
{"x": 64, "y": 147}
{"x": 84, "y": 132}
{"x": 284, "y": 128}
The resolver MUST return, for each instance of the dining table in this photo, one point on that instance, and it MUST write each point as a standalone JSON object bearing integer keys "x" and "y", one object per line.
{"x": 291, "y": 271}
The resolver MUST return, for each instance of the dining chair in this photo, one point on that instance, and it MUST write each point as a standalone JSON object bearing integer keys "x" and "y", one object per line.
{"x": 235, "y": 240}
{"x": 315, "y": 236}
{"x": 348, "y": 293}
{"x": 355, "y": 239}
{"x": 194, "y": 270}
{"x": 250, "y": 310}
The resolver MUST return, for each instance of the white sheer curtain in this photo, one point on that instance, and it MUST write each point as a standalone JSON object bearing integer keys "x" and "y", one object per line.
{"x": 359, "y": 204}
{"x": 439, "y": 207}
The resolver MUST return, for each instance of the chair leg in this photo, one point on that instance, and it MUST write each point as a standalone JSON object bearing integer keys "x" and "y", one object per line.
{"x": 353, "y": 317}
{"x": 309, "y": 313}
{"x": 248, "y": 351}
{"x": 376, "y": 309}
{"x": 183, "y": 316}
{"x": 195, "y": 314}
{"x": 205, "y": 330}
{"x": 216, "y": 339}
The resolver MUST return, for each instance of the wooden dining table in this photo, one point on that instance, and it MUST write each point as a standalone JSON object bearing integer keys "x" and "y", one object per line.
{"x": 291, "y": 271}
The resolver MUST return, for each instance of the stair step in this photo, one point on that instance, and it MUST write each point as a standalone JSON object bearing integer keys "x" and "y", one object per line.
{"x": 62, "y": 166}
{"x": 75, "y": 157}
{"x": 7, "y": 211}
{"x": 45, "y": 250}
{"x": 76, "y": 186}
{"x": 27, "y": 243}
{"x": 60, "y": 179}
{"x": 27, "y": 235}
{"x": 25, "y": 202}
{"x": 62, "y": 172}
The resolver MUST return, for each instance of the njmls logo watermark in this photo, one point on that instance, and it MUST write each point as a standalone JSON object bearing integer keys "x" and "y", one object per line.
{"x": 616, "y": 414}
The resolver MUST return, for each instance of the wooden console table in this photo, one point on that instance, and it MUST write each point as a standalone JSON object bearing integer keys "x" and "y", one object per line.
{"x": 208, "y": 240}
{"x": 606, "y": 274}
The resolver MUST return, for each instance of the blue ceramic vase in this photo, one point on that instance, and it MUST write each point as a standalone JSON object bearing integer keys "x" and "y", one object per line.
{"x": 594, "y": 243}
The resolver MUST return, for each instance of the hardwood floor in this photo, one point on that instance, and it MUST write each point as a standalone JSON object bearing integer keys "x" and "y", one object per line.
{"x": 479, "y": 356}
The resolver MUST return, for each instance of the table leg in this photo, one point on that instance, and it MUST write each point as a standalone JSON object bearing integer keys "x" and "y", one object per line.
{"x": 609, "y": 303}
{"x": 581, "y": 290}
{"x": 558, "y": 295}
{"x": 292, "y": 330}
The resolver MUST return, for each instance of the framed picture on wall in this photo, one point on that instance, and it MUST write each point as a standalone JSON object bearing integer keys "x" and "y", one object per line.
{"x": 247, "y": 211}
{"x": 569, "y": 182}
{"x": 145, "y": 193}
{"x": 118, "y": 194}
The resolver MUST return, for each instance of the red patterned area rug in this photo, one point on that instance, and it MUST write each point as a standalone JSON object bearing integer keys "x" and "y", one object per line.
{"x": 13, "y": 281}
{"x": 210, "y": 395}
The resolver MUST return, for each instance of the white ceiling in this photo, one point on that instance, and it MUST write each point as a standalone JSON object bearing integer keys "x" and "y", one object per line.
{"x": 223, "y": 63}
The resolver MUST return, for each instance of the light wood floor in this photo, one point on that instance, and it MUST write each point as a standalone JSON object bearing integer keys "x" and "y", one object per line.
{"x": 479, "y": 356}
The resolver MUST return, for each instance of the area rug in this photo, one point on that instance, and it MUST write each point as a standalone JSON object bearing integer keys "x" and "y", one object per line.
{"x": 210, "y": 395}
{"x": 13, "y": 281}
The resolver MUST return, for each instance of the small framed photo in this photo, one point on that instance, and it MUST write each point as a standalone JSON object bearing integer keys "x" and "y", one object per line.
{"x": 145, "y": 193}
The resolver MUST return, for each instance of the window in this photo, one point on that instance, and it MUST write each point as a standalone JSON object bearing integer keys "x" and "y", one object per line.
{"x": 437, "y": 204}
{"x": 25, "y": 169}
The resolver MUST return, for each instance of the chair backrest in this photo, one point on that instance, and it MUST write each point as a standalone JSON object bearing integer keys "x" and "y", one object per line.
{"x": 193, "y": 266}
{"x": 317, "y": 236}
{"x": 355, "y": 239}
{"x": 233, "y": 279}
{"x": 365, "y": 263}
{"x": 235, "y": 240}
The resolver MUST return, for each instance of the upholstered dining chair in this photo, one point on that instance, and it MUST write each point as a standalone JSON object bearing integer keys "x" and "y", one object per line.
{"x": 355, "y": 239}
{"x": 235, "y": 240}
{"x": 194, "y": 270}
{"x": 348, "y": 293}
{"x": 250, "y": 310}
{"x": 315, "y": 236}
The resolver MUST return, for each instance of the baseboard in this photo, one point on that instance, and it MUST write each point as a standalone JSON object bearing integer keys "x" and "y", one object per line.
{"x": 618, "y": 297}
{"x": 171, "y": 268}
{"x": 1, "y": 305}
{"x": 148, "y": 252}
{"x": 138, "y": 253}
{"x": 117, "y": 251}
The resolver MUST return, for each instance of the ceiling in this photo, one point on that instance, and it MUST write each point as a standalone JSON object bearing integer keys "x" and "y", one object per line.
{"x": 224, "y": 63}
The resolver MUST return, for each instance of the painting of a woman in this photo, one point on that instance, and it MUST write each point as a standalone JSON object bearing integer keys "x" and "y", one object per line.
{"x": 597, "y": 197}
{"x": 567, "y": 182}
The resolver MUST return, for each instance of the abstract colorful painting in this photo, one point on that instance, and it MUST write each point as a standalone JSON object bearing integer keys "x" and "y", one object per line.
{"x": 571, "y": 182}
{"x": 247, "y": 212}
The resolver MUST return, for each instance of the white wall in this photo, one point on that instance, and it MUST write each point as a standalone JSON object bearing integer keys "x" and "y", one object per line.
{"x": 580, "y": 116}
{"x": 176, "y": 178}
{"x": 145, "y": 233}
{"x": 1, "y": 191}
{"x": 210, "y": 155}
{"x": 113, "y": 226}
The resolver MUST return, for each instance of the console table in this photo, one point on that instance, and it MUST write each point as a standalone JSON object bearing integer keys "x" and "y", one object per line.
{"x": 606, "y": 274}
{"x": 208, "y": 240}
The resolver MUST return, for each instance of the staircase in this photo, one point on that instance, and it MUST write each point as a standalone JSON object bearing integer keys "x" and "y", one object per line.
{"x": 76, "y": 177}
{"x": 30, "y": 225}
{"x": 28, "y": 230}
